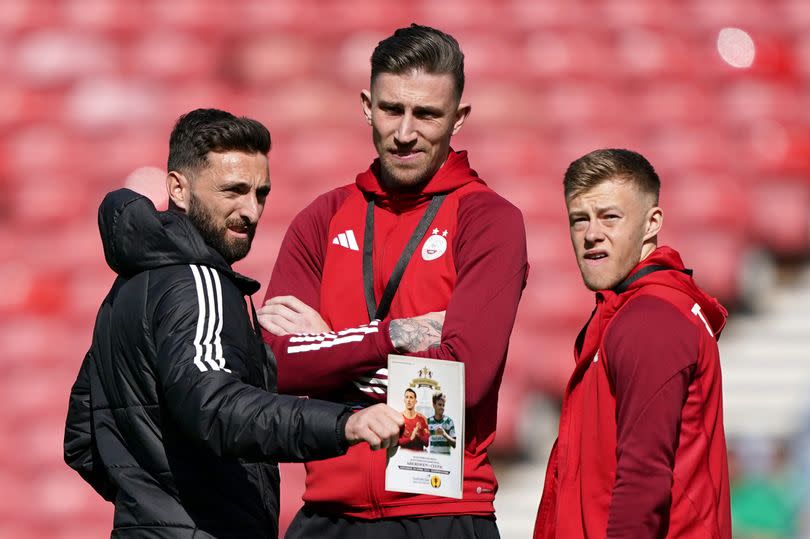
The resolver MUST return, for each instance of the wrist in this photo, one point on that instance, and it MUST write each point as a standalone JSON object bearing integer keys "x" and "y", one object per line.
{"x": 340, "y": 429}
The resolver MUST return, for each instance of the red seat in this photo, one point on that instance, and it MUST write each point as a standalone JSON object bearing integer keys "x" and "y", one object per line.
{"x": 263, "y": 59}
{"x": 715, "y": 255}
{"x": 53, "y": 57}
{"x": 782, "y": 217}
{"x": 174, "y": 56}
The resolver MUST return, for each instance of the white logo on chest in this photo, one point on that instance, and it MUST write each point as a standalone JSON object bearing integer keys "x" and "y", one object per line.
{"x": 435, "y": 245}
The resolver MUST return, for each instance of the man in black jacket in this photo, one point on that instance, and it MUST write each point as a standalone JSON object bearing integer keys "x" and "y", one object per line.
{"x": 174, "y": 416}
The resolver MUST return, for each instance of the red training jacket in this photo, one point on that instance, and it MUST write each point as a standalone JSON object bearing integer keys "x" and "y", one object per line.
{"x": 471, "y": 263}
{"x": 641, "y": 451}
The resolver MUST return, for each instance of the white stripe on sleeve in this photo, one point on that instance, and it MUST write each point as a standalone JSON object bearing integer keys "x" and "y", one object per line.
{"x": 200, "y": 320}
{"x": 208, "y": 340}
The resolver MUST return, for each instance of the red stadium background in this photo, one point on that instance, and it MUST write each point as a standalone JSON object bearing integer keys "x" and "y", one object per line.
{"x": 90, "y": 90}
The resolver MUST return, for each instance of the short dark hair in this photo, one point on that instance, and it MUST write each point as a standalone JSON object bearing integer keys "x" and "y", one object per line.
{"x": 611, "y": 164}
{"x": 412, "y": 391}
{"x": 439, "y": 396}
{"x": 212, "y": 130}
{"x": 422, "y": 48}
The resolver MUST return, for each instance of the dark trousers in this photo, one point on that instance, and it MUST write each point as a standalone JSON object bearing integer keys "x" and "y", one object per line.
{"x": 310, "y": 525}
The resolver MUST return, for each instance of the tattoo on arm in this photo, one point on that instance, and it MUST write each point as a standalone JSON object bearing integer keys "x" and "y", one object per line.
{"x": 415, "y": 334}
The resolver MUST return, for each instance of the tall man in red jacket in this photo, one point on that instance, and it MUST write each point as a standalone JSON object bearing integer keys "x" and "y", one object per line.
{"x": 641, "y": 451}
{"x": 419, "y": 208}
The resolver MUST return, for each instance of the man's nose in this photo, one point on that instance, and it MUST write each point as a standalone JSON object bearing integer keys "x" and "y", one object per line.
{"x": 594, "y": 232}
{"x": 251, "y": 209}
{"x": 406, "y": 132}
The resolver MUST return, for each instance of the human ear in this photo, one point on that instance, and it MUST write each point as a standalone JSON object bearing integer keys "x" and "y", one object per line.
{"x": 179, "y": 189}
{"x": 462, "y": 112}
{"x": 654, "y": 222}
{"x": 365, "y": 98}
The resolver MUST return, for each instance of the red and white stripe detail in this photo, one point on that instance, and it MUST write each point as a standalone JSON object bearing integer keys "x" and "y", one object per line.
{"x": 311, "y": 342}
{"x": 378, "y": 383}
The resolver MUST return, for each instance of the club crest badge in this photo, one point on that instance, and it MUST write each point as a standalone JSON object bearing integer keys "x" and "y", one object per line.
{"x": 435, "y": 246}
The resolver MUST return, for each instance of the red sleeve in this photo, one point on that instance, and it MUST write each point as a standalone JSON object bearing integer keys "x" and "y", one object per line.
{"x": 490, "y": 255}
{"x": 651, "y": 351}
{"x": 316, "y": 370}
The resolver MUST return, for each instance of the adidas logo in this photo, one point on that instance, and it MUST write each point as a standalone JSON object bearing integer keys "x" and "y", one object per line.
{"x": 346, "y": 239}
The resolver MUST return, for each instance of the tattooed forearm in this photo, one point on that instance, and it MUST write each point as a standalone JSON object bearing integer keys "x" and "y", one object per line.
{"x": 434, "y": 333}
{"x": 415, "y": 334}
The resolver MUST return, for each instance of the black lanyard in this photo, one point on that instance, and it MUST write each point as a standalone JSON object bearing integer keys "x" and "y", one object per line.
{"x": 378, "y": 312}
{"x": 624, "y": 285}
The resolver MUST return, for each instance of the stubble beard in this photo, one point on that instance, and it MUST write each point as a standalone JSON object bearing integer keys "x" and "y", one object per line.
{"x": 231, "y": 250}
{"x": 396, "y": 179}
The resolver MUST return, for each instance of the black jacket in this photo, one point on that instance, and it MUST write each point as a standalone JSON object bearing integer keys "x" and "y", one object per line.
{"x": 173, "y": 416}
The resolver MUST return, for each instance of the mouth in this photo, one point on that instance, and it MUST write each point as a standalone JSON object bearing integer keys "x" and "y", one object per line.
{"x": 595, "y": 257}
{"x": 242, "y": 230}
{"x": 405, "y": 154}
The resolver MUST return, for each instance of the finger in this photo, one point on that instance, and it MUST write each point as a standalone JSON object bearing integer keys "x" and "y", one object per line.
{"x": 387, "y": 428}
{"x": 294, "y": 303}
{"x": 286, "y": 325}
{"x": 382, "y": 426}
{"x": 279, "y": 309}
{"x": 291, "y": 302}
{"x": 374, "y": 441}
{"x": 396, "y": 416}
{"x": 268, "y": 324}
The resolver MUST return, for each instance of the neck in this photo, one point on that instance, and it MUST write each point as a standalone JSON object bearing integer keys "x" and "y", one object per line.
{"x": 647, "y": 249}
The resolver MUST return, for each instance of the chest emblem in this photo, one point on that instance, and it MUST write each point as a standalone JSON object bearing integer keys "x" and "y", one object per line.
{"x": 347, "y": 240}
{"x": 435, "y": 246}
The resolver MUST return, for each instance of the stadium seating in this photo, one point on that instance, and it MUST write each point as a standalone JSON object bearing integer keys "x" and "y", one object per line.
{"x": 91, "y": 89}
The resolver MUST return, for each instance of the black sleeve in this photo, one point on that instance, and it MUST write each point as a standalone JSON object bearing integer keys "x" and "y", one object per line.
{"x": 198, "y": 358}
{"x": 80, "y": 451}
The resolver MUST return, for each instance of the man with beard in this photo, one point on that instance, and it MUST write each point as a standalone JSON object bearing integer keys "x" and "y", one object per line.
{"x": 418, "y": 232}
{"x": 173, "y": 416}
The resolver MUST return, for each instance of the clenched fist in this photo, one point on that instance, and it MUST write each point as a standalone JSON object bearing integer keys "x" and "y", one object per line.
{"x": 378, "y": 425}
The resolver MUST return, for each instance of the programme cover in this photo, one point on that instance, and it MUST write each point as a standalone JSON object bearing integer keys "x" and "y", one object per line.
{"x": 430, "y": 456}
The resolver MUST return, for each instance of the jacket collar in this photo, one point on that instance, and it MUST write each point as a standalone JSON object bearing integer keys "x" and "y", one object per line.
{"x": 136, "y": 238}
{"x": 454, "y": 173}
{"x": 665, "y": 267}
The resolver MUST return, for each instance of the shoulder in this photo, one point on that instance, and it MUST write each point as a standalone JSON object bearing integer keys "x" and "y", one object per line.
{"x": 328, "y": 203}
{"x": 647, "y": 309}
{"x": 648, "y": 326}
{"x": 488, "y": 223}
{"x": 479, "y": 201}
{"x": 190, "y": 284}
